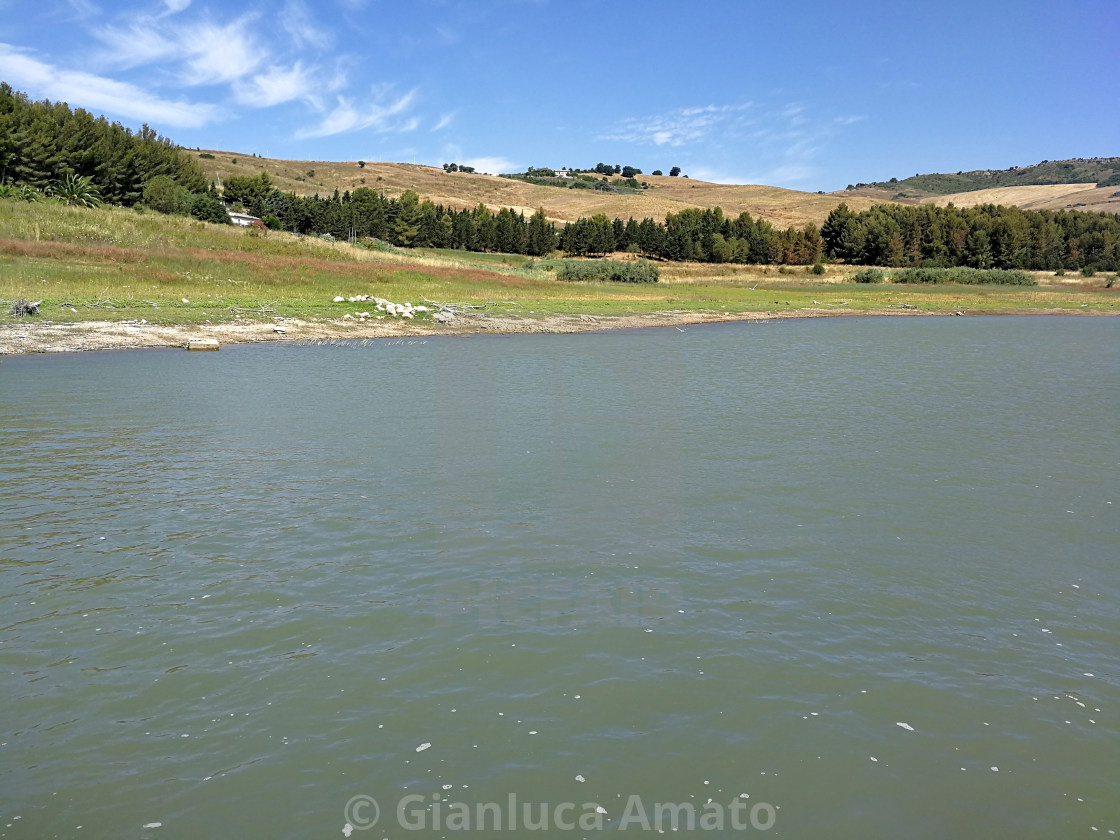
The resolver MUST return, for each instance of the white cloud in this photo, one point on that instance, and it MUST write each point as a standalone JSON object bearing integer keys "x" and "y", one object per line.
{"x": 444, "y": 121}
{"x": 216, "y": 54}
{"x": 97, "y": 93}
{"x": 176, "y": 6}
{"x": 677, "y": 127}
{"x": 347, "y": 116}
{"x": 207, "y": 52}
{"x": 276, "y": 86}
{"x": 138, "y": 45}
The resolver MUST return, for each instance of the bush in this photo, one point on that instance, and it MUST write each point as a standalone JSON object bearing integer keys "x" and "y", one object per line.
{"x": 206, "y": 156}
{"x": 868, "y": 275}
{"x": 965, "y": 276}
{"x": 818, "y": 269}
{"x": 163, "y": 195}
{"x": 271, "y": 222}
{"x": 607, "y": 270}
{"x": 1088, "y": 271}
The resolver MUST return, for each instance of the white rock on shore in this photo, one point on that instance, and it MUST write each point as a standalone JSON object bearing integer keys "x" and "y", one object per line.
{"x": 397, "y": 310}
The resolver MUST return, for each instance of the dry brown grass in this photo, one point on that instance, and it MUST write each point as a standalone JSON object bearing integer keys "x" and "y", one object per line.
{"x": 778, "y": 206}
{"x": 1088, "y": 197}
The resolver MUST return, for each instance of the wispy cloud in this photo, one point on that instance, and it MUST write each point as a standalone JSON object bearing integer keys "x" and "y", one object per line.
{"x": 277, "y": 85}
{"x": 300, "y": 26}
{"x": 379, "y": 116}
{"x": 203, "y": 52}
{"x": 778, "y": 144}
{"x": 98, "y": 93}
{"x": 444, "y": 121}
{"x": 677, "y": 127}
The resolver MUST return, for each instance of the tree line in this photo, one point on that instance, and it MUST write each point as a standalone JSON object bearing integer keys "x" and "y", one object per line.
{"x": 695, "y": 235}
{"x": 405, "y": 221}
{"x": 986, "y": 236}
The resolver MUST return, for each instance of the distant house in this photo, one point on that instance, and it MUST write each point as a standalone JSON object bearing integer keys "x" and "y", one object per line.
{"x": 563, "y": 173}
{"x": 243, "y": 219}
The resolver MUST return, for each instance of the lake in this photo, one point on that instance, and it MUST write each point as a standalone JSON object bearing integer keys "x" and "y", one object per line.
{"x": 842, "y": 578}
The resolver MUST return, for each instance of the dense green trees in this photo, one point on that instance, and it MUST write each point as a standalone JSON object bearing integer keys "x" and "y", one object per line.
{"x": 43, "y": 143}
{"x": 986, "y": 236}
{"x": 695, "y": 235}
{"x": 406, "y": 221}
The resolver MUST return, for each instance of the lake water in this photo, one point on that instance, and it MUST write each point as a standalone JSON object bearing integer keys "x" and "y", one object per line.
{"x": 863, "y": 571}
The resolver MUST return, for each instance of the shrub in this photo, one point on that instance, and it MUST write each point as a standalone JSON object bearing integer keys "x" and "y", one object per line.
{"x": 271, "y": 222}
{"x": 206, "y": 156}
{"x": 607, "y": 270}
{"x": 868, "y": 275}
{"x": 818, "y": 269}
{"x": 965, "y": 276}
{"x": 1088, "y": 271}
{"x": 164, "y": 195}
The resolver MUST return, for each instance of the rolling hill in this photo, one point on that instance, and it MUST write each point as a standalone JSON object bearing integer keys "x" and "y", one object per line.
{"x": 1090, "y": 184}
{"x": 1102, "y": 172}
{"x": 781, "y": 207}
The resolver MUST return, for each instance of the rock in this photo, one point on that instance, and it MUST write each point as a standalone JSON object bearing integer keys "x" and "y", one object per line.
{"x": 444, "y": 317}
{"x": 339, "y": 299}
{"x": 420, "y": 309}
{"x": 202, "y": 344}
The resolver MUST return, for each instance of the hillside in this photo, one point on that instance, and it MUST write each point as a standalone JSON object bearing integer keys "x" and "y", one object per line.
{"x": 780, "y": 207}
{"x": 1103, "y": 172}
{"x": 1088, "y": 197}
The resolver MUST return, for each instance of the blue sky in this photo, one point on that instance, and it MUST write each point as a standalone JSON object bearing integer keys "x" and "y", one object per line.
{"x": 809, "y": 95}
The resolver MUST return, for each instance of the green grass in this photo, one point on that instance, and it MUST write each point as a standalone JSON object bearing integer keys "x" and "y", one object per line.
{"x": 115, "y": 264}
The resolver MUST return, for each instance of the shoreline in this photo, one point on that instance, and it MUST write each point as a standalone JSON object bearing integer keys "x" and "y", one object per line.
{"x": 29, "y": 337}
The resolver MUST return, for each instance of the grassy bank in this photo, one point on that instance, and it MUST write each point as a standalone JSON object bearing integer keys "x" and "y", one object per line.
{"x": 114, "y": 264}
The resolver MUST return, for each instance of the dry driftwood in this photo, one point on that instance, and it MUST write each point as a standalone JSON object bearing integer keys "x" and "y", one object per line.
{"x": 21, "y": 307}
